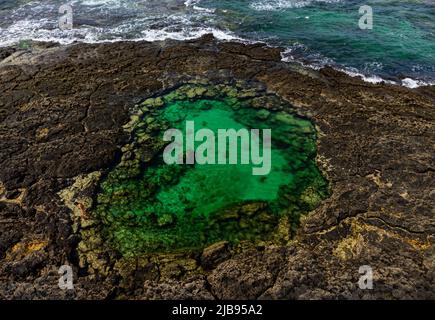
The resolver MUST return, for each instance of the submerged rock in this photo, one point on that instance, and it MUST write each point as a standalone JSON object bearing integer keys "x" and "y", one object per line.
{"x": 195, "y": 206}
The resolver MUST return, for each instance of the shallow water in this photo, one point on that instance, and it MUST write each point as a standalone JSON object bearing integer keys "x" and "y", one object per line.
{"x": 149, "y": 206}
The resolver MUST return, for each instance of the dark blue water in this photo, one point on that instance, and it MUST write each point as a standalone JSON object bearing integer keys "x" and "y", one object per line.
{"x": 401, "y": 44}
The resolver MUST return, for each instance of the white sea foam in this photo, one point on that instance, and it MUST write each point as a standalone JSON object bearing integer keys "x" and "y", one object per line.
{"x": 186, "y": 34}
{"x": 273, "y": 5}
{"x": 407, "y": 82}
{"x": 106, "y": 3}
{"x": 38, "y": 21}
{"x": 189, "y": 3}
{"x": 194, "y": 5}
{"x": 35, "y": 30}
{"x": 411, "y": 83}
{"x": 286, "y": 56}
{"x": 201, "y": 9}
{"x": 367, "y": 78}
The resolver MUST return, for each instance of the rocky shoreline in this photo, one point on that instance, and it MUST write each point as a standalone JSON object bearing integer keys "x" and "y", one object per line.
{"x": 62, "y": 111}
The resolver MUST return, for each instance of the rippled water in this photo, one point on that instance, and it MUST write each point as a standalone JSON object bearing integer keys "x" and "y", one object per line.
{"x": 315, "y": 32}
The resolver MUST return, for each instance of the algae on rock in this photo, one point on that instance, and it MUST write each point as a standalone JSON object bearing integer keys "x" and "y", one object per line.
{"x": 147, "y": 206}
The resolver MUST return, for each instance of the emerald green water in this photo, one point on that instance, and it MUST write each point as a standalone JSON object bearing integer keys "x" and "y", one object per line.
{"x": 149, "y": 206}
{"x": 217, "y": 186}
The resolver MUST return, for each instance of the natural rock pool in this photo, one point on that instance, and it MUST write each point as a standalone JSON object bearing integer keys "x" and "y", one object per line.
{"x": 148, "y": 206}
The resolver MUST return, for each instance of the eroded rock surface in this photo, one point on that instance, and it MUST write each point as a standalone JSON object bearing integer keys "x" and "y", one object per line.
{"x": 62, "y": 112}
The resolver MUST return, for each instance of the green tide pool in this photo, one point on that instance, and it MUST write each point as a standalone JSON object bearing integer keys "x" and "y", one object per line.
{"x": 149, "y": 206}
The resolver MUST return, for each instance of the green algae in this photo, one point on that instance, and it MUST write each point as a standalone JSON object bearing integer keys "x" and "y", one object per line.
{"x": 146, "y": 205}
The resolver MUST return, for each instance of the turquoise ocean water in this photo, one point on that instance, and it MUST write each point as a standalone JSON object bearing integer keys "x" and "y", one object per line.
{"x": 400, "y": 47}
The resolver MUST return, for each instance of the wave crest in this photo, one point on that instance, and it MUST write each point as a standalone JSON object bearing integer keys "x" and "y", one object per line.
{"x": 274, "y": 5}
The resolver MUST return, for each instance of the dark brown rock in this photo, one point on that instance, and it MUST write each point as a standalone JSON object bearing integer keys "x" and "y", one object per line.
{"x": 62, "y": 109}
{"x": 215, "y": 254}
